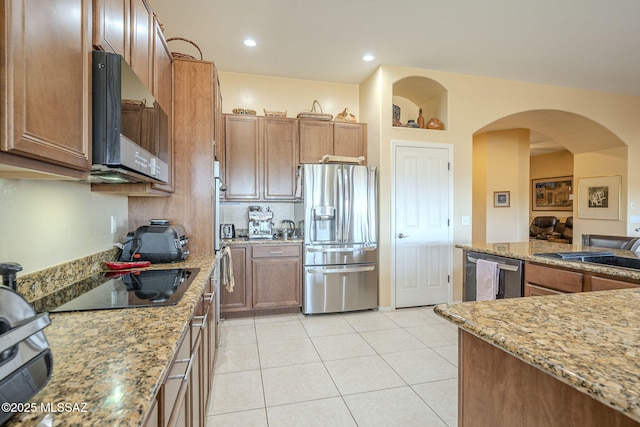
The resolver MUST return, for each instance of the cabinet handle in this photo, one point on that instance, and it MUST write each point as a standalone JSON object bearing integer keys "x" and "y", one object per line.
{"x": 201, "y": 325}
{"x": 276, "y": 252}
{"x": 185, "y": 376}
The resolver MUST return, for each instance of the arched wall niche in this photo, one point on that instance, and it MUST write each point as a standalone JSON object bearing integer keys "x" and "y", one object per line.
{"x": 414, "y": 93}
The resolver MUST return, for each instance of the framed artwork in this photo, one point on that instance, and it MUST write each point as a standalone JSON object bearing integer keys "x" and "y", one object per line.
{"x": 552, "y": 194}
{"x": 501, "y": 199}
{"x": 599, "y": 197}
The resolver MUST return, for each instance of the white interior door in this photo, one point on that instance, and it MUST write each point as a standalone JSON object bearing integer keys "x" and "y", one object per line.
{"x": 422, "y": 237}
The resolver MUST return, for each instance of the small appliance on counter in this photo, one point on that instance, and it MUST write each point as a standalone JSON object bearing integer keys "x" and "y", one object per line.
{"x": 158, "y": 242}
{"x": 26, "y": 361}
{"x": 260, "y": 223}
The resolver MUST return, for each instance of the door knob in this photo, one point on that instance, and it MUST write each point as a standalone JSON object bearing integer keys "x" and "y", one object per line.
{"x": 402, "y": 236}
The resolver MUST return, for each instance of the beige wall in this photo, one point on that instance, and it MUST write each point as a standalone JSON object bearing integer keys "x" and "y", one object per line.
{"x": 45, "y": 223}
{"x": 503, "y": 163}
{"x": 290, "y": 95}
{"x": 473, "y": 103}
{"x": 607, "y": 163}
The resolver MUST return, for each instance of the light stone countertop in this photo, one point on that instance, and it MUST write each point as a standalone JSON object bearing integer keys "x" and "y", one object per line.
{"x": 115, "y": 360}
{"x": 589, "y": 340}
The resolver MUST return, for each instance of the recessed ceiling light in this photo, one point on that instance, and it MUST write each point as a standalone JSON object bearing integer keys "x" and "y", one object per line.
{"x": 250, "y": 42}
{"x": 368, "y": 57}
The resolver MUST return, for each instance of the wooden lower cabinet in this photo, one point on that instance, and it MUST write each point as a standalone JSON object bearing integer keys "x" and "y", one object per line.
{"x": 497, "y": 389}
{"x": 276, "y": 274}
{"x": 549, "y": 280}
{"x": 238, "y": 300}
{"x": 596, "y": 283}
{"x": 173, "y": 395}
{"x": 268, "y": 279}
{"x": 184, "y": 395}
{"x": 544, "y": 280}
{"x": 536, "y": 291}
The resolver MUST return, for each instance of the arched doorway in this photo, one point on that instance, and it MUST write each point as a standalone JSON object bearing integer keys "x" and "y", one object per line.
{"x": 596, "y": 152}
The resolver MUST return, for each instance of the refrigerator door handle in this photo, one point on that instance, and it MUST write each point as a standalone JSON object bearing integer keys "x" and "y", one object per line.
{"x": 340, "y": 270}
{"x": 362, "y": 248}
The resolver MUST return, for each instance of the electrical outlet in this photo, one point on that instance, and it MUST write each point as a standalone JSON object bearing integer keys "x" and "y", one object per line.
{"x": 114, "y": 224}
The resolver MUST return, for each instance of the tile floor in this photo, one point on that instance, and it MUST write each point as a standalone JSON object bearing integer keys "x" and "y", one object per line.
{"x": 364, "y": 368}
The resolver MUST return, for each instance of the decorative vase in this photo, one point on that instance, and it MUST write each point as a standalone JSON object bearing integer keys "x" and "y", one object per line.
{"x": 420, "y": 119}
{"x": 435, "y": 123}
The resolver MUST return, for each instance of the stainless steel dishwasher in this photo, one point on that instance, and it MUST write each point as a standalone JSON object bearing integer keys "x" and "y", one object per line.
{"x": 511, "y": 275}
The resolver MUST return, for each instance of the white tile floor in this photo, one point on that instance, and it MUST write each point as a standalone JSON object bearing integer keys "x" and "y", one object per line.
{"x": 352, "y": 369}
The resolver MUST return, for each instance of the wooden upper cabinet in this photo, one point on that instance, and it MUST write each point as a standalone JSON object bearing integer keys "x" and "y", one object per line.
{"x": 111, "y": 26}
{"x": 280, "y": 158}
{"x": 142, "y": 38}
{"x": 316, "y": 140}
{"x": 161, "y": 69}
{"x": 45, "y": 87}
{"x": 243, "y": 151}
{"x": 350, "y": 139}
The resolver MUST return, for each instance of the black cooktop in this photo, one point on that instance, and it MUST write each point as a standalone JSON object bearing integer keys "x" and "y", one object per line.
{"x": 121, "y": 289}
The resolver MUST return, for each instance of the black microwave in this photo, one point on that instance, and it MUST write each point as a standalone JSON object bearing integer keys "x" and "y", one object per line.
{"x": 130, "y": 128}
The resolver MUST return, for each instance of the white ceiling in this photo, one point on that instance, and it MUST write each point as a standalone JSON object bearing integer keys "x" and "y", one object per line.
{"x": 587, "y": 44}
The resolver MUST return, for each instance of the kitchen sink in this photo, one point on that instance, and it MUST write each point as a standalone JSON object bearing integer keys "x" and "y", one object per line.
{"x": 603, "y": 258}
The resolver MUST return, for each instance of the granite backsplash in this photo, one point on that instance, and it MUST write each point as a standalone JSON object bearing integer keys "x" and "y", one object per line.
{"x": 35, "y": 285}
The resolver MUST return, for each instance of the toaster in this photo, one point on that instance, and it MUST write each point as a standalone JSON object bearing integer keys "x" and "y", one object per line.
{"x": 158, "y": 242}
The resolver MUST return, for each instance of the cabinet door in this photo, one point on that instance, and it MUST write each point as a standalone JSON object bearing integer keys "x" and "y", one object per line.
{"x": 242, "y": 157}
{"x": 536, "y": 291}
{"x": 142, "y": 35}
{"x": 276, "y": 276}
{"x": 316, "y": 140}
{"x": 161, "y": 69}
{"x": 46, "y": 82}
{"x": 604, "y": 284}
{"x": 174, "y": 390}
{"x": 350, "y": 139}
{"x": 111, "y": 26}
{"x": 239, "y": 299}
{"x": 280, "y": 158}
{"x": 555, "y": 278}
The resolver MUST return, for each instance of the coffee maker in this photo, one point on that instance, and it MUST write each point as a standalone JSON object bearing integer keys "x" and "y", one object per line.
{"x": 260, "y": 223}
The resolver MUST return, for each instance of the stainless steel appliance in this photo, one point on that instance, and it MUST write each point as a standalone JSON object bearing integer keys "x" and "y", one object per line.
{"x": 26, "y": 361}
{"x": 218, "y": 187}
{"x": 260, "y": 223}
{"x": 121, "y": 289}
{"x": 341, "y": 246}
{"x": 510, "y": 282}
{"x": 130, "y": 129}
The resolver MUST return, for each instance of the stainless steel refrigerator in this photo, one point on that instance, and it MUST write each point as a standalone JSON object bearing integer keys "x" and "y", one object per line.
{"x": 341, "y": 245}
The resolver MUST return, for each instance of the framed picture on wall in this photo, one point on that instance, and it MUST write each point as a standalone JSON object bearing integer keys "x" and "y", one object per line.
{"x": 501, "y": 199}
{"x": 599, "y": 197}
{"x": 552, "y": 194}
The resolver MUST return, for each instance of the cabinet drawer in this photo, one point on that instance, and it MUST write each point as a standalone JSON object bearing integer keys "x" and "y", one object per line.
{"x": 602, "y": 284}
{"x": 536, "y": 291}
{"x": 553, "y": 278}
{"x": 270, "y": 251}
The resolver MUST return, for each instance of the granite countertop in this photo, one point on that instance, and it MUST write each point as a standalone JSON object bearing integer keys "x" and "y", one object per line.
{"x": 112, "y": 362}
{"x": 590, "y": 341}
{"x": 526, "y": 251}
